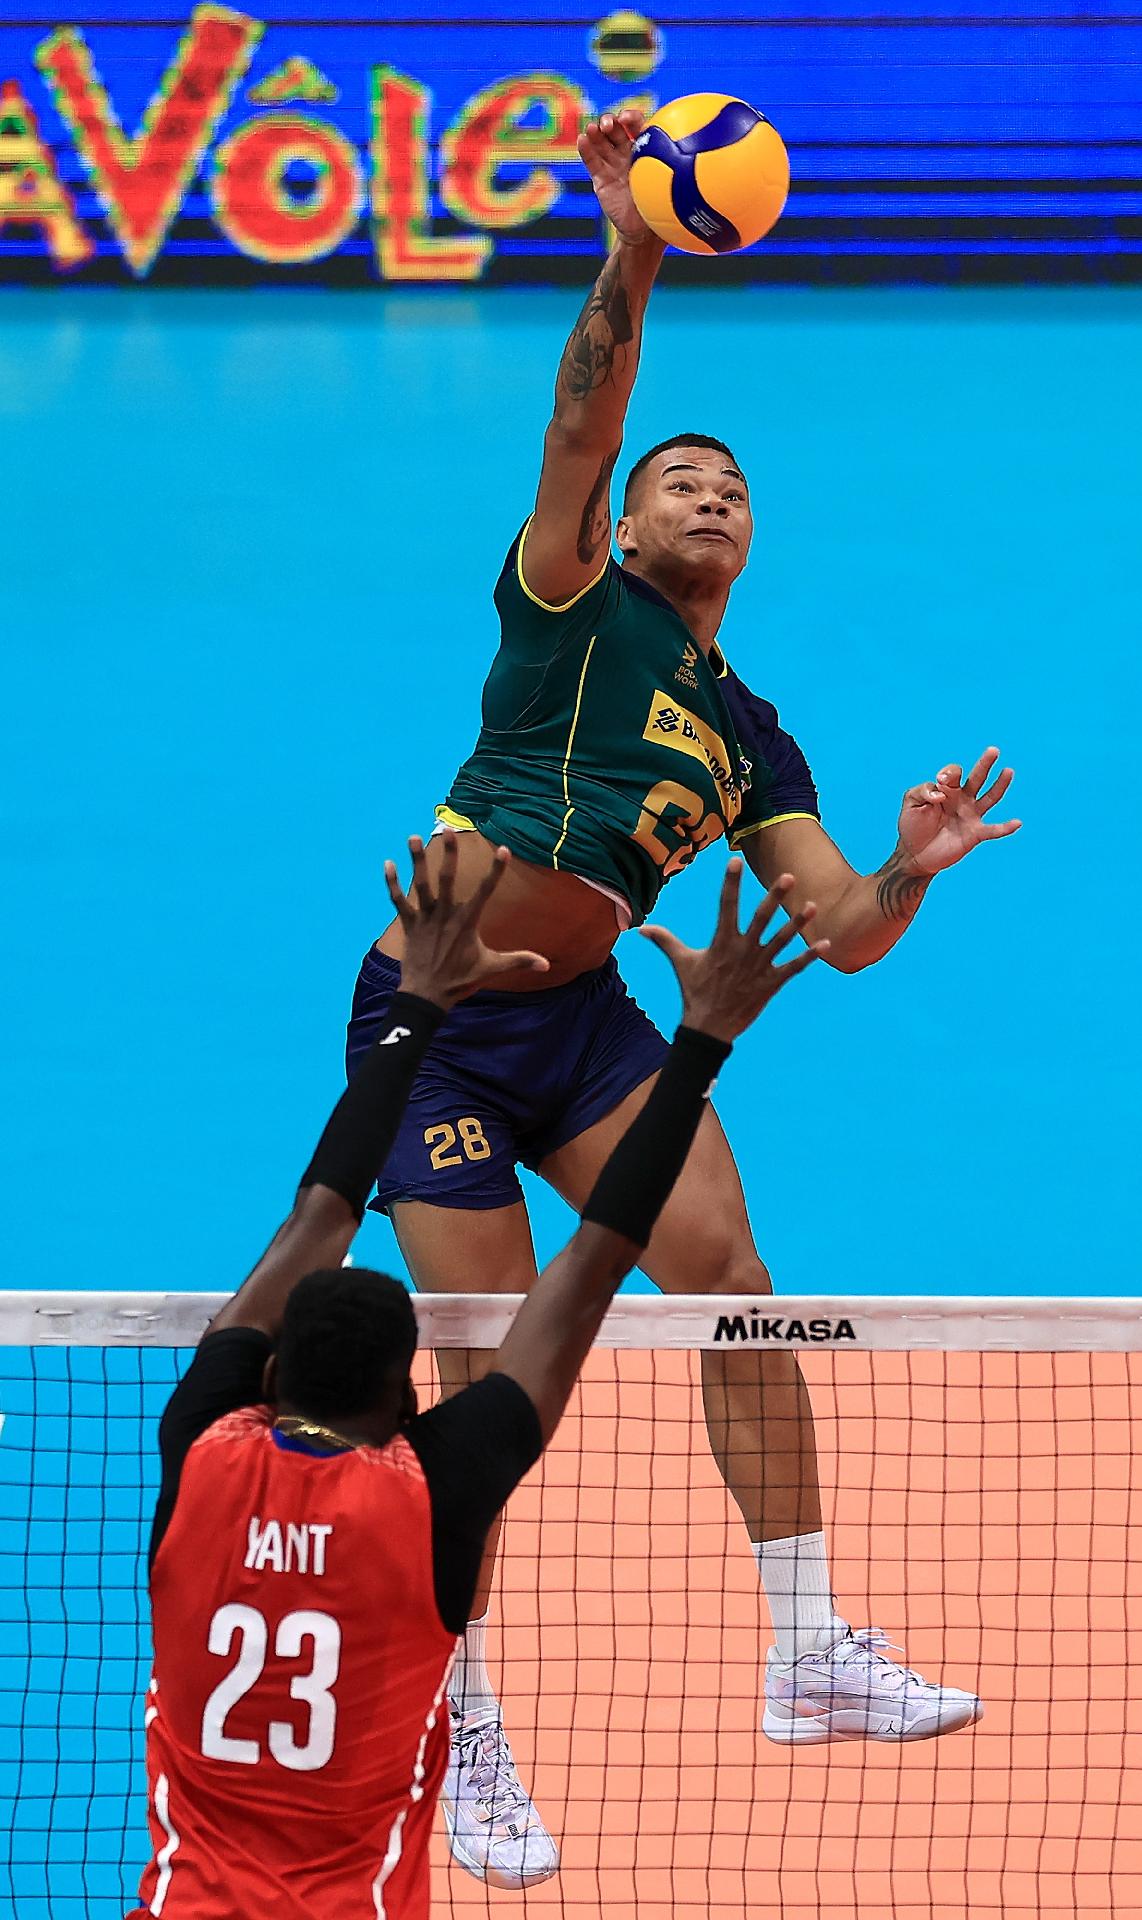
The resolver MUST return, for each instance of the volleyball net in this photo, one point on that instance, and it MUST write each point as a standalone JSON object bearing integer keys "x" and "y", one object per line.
{"x": 982, "y": 1499}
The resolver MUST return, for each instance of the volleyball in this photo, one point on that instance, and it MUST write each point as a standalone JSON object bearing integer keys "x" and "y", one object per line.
{"x": 709, "y": 173}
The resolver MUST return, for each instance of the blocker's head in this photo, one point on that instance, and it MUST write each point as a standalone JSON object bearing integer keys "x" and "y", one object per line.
{"x": 686, "y": 511}
{"x": 344, "y": 1353}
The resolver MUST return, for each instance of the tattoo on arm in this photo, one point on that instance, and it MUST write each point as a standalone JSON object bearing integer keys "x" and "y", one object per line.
{"x": 596, "y": 522}
{"x": 603, "y": 328}
{"x": 899, "y": 892}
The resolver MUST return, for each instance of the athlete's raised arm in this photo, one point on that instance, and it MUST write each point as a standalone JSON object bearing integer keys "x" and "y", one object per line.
{"x": 444, "y": 959}
{"x": 864, "y": 914}
{"x": 724, "y": 988}
{"x": 568, "y": 538}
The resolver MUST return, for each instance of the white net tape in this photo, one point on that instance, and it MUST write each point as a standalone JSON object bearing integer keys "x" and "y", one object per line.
{"x": 843, "y": 1322}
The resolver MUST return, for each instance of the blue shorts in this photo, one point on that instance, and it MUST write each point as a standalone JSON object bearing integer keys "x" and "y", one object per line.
{"x": 509, "y": 1078}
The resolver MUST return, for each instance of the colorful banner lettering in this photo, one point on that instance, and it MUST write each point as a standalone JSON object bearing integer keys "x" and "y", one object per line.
{"x": 337, "y": 149}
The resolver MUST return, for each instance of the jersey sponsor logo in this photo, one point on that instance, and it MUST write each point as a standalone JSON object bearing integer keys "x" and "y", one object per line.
{"x": 289, "y": 1549}
{"x": 685, "y": 673}
{"x": 756, "y": 1325}
{"x": 672, "y": 725}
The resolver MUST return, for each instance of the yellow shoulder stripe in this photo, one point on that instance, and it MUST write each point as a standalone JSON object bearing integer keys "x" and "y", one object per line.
{"x": 547, "y": 605}
{"x": 759, "y": 826}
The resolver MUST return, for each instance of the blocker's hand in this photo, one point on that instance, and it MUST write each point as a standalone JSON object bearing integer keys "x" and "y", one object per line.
{"x": 944, "y": 819}
{"x": 727, "y": 984}
{"x": 444, "y": 956}
{"x": 605, "y": 150}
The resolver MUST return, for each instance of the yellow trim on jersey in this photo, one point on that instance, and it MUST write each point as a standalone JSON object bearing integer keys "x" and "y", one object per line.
{"x": 567, "y": 755}
{"x": 759, "y": 826}
{"x": 448, "y": 817}
{"x": 546, "y": 604}
{"x": 719, "y": 672}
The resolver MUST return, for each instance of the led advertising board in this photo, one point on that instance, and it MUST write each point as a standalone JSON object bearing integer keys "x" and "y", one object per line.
{"x": 279, "y": 146}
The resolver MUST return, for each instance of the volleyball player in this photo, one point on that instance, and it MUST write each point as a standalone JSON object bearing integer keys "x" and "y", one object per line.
{"x": 317, "y": 1542}
{"x": 616, "y": 743}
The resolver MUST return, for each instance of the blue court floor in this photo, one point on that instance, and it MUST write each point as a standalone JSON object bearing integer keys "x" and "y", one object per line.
{"x": 249, "y": 545}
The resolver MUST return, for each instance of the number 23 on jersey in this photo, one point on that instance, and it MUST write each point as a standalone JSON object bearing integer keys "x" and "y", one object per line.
{"x": 303, "y": 1634}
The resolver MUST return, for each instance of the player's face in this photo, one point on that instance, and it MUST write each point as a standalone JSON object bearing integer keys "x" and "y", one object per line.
{"x": 690, "y": 512}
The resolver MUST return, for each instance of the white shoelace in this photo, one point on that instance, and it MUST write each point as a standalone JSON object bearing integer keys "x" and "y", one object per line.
{"x": 868, "y": 1647}
{"x": 483, "y": 1753}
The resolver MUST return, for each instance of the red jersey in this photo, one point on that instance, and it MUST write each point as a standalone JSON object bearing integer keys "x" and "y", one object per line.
{"x": 297, "y": 1728}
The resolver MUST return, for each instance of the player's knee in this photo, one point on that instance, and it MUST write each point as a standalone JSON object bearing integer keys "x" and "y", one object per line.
{"x": 732, "y": 1269}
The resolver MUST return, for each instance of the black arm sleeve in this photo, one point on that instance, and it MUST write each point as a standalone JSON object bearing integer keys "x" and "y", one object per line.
{"x": 226, "y": 1373}
{"x": 475, "y": 1450}
{"x": 363, "y": 1125}
{"x": 637, "y": 1180}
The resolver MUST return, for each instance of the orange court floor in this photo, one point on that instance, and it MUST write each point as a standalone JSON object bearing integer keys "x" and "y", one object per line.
{"x": 979, "y": 1508}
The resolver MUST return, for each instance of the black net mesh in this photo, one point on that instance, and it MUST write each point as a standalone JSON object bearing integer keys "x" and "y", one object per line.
{"x": 981, "y": 1507}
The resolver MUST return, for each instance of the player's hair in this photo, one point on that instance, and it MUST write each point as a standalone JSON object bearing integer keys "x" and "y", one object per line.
{"x": 664, "y": 446}
{"x": 348, "y": 1334}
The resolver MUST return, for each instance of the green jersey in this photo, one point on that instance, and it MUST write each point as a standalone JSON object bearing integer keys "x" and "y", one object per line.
{"x": 612, "y": 747}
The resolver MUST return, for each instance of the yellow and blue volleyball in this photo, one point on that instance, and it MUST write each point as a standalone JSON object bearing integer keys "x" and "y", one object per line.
{"x": 709, "y": 173}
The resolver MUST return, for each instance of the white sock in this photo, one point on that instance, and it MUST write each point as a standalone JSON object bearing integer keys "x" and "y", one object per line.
{"x": 470, "y": 1689}
{"x": 795, "y": 1575}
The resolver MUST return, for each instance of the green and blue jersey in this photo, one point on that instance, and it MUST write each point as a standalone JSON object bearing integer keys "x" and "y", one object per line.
{"x": 612, "y": 747}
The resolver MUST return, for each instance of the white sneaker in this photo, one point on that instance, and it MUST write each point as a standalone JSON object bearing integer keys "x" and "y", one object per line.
{"x": 493, "y": 1829}
{"x": 847, "y": 1690}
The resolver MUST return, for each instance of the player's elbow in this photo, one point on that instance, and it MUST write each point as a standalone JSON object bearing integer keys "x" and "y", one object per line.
{"x": 576, "y": 433}
{"x": 850, "y": 949}
{"x": 847, "y": 960}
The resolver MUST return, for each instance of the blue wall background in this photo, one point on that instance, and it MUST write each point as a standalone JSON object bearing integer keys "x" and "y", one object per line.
{"x": 249, "y": 544}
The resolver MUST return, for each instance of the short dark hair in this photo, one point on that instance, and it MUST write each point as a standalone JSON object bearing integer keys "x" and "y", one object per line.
{"x": 664, "y": 446}
{"x": 348, "y": 1334}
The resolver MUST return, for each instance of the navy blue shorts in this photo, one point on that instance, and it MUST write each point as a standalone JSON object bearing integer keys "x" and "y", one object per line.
{"x": 508, "y": 1079}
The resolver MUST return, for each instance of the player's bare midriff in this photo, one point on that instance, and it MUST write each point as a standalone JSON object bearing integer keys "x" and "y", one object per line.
{"x": 536, "y": 908}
